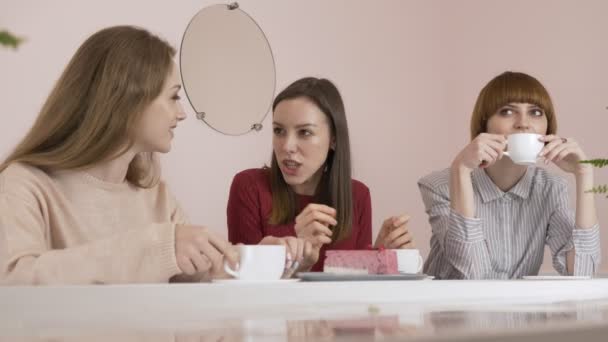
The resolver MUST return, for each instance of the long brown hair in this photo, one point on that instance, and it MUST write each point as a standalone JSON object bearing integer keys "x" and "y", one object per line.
{"x": 506, "y": 88}
{"x": 335, "y": 186}
{"x": 91, "y": 113}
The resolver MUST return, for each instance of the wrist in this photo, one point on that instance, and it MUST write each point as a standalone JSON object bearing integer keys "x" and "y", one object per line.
{"x": 458, "y": 168}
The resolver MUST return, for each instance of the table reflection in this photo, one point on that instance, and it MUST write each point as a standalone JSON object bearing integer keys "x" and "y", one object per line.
{"x": 377, "y": 323}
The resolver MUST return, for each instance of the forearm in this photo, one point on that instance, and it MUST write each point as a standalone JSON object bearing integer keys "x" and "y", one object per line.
{"x": 586, "y": 216}
{"x": 465, "y": 248}
{"x": 145, "y": 255}
{"x": 461, "y": 191}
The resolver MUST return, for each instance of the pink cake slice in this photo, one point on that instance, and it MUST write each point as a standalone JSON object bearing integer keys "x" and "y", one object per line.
{"x": 361, "y": 262}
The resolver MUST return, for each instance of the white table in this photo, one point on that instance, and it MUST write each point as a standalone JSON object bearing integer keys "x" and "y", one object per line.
{"x": 418, "y": 310}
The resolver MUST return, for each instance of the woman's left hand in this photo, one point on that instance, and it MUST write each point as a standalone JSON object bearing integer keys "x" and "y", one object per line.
{"x": 566, "y": 153}
{"x": 395, "y": 233}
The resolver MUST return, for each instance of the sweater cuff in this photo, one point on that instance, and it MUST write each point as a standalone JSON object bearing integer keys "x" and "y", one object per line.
{"x": 163, "y": 248}
{"x": 464, "y": 228}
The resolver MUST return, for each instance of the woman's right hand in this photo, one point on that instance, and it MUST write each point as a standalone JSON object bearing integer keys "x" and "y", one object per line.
{"x": 313, "y": 223}
{"x": 300, "y": 254}
{"x": 482, "y": 151}
{"x": 199, "y": 250}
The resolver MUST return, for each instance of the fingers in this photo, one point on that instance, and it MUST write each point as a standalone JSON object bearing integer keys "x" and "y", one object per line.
{"x": 392, "y": 228}
{"x": 184, "y": 264}
{"x": 319, "y": 228}
{"x": 311, "y": 254}
{"x": 401, "y": 220}
{"x": 485, "y": 159}
{"x": 215, "y": 256}
{"x": 499, "y": 147}
{"x": 397, "y": 232}
{"x": 499, "y": 138}
{"x": 320, "y": 237}
{"x": 291, "y": 244}
{"x": 554, "y": 152}
{"x": 565, "y": 152}
{"x": 550, "y": 137}
{"x": 401, "y": 241}
{"x": 387, "y": 225}
{"x": 224, "y": 247}
{"x": 313, "y": 223}
{"x": 320, "y": 216}
{"x": 320, "y": 208}
{"x": 200, "y": 261}
{"x": 491, "y": 153}
{"x": 300, "y": 249}
{"x": 552, "y": 142}
{"x": 485, "y": 150}
{"x": 400, "y": 234}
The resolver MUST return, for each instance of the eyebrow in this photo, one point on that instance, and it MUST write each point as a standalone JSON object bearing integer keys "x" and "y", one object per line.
{"x": 178, "y": 86}
{"x": 297, "y": 126}
{"x": 532, "y": 106}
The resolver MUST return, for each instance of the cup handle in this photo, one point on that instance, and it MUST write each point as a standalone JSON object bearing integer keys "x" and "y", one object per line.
{"x": 420, "y": 262}
{"x": 230, "y": 270}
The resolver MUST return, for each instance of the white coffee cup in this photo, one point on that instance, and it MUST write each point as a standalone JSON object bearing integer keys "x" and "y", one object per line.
{"x": 523, "y": 148}
{"x": 408, "y": 260}
{"x": 259, "y": 263}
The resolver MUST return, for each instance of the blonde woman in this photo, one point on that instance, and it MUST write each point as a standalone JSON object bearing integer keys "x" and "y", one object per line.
{"x": 491, "y": 218}
{"x": 81, "y": 201}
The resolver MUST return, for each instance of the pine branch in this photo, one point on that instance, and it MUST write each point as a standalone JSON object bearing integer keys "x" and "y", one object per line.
{"x": 10, "y": 40}
{"x": 600, "y": 189}
{"x": 596, "y": 162}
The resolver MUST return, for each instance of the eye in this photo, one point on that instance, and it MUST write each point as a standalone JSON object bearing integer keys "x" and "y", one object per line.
{"x": 277, "y": 130}
{"x": 305, "y": 132}
{"x": 176, "y": 97}
{"x": 506, "y": 112}
{"x": 537, "y": 112}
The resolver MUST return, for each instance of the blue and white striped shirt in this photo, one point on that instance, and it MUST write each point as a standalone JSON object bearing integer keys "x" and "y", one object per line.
{"x": 507, "y": 237}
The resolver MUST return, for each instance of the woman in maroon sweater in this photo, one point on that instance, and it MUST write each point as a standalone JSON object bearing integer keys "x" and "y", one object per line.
{"x": 307, "y": 199}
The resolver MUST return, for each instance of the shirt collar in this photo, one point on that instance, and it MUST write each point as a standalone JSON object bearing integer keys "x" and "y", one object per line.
{"x": 489, "y": 191}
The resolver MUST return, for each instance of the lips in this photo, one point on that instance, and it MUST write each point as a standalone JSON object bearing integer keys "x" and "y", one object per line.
{"x": 290, "y": 167}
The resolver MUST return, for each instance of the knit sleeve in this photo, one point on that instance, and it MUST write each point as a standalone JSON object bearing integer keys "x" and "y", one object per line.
{"x": 27, "y": 257}
{"x": 244, "y": 211}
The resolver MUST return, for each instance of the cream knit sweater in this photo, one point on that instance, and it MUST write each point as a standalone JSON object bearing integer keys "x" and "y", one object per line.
{"x": 68, "y": 227}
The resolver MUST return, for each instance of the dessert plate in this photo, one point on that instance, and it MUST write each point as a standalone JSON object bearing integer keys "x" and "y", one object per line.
{"x": 322, "y": 276}
{"x": 239, "y": 281}
{"x": 556, "y": 277}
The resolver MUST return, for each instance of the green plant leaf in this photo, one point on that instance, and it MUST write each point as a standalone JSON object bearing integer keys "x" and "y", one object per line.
{"x": 600, "y": 189}
{"x": 596, "y": 162}
{"x": 10, "y": 40}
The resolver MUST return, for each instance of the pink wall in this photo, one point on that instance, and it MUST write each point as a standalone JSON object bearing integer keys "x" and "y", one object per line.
{"x": 409, "y": 72}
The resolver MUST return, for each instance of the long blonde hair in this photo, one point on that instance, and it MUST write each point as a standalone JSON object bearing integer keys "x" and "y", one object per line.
{"x": 91, "y": 113}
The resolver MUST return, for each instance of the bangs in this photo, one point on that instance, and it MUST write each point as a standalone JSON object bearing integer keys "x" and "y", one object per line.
{"x": 514, "y": 88}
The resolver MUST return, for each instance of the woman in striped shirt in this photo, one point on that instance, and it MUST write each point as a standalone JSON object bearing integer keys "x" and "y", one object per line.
{"x": 490, "y": 217}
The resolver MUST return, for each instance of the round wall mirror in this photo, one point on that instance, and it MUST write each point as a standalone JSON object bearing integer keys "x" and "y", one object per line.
{"x": 227, "y": 69}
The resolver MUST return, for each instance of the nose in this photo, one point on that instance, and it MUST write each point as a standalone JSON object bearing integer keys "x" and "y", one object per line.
{"x": 181, "y": 114}
{"x": 290, "y": 143}
{"x": 522, "y": 123}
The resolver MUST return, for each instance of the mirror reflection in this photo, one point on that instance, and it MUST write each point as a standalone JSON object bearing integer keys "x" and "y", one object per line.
{"x": 227, "y": 69}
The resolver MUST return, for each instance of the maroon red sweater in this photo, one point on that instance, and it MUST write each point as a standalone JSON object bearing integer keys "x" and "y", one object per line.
{"x": 250, "y": 205}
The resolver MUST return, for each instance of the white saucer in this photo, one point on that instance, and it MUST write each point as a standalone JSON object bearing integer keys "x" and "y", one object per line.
{"x": 238, "y": 281}
{"x": 556, "y": 277}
